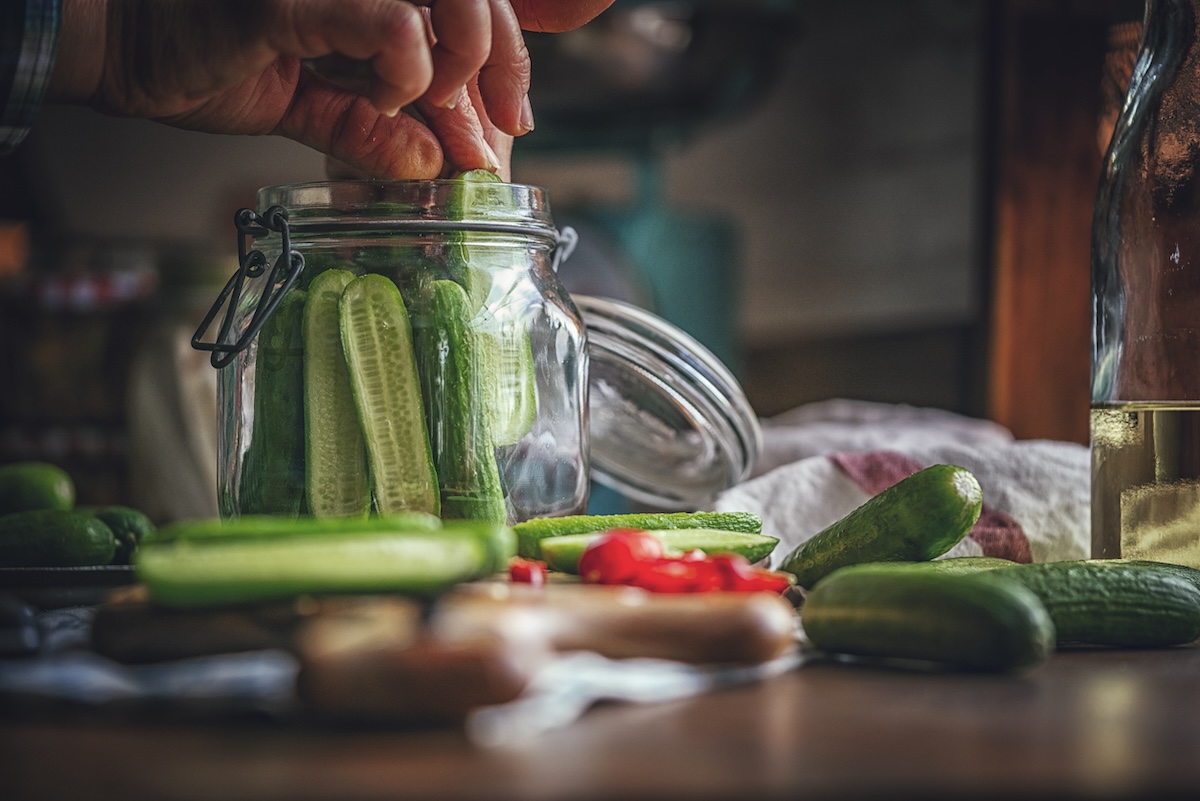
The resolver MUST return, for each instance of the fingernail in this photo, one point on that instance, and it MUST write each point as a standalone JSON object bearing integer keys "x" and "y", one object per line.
{"x": 454, "y": 99}
{"x": 390, "y": 112}
{"x": 493, "y": 161}
{"x": 526, "y": 115}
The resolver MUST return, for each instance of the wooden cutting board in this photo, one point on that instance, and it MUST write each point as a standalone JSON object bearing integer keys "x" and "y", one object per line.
{"x": 395, "y": 658}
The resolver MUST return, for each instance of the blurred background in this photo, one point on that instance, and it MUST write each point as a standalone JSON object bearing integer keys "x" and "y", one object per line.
{"x": 873, "y": 199}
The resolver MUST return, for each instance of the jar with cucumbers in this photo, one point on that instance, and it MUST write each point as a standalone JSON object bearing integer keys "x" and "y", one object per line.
{"x": 406, "y": 346}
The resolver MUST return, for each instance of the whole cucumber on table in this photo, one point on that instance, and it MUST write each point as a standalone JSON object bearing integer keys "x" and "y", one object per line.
{"x": 54, "y": 538}
{"x": 272, "y": 480}
{"x": 891, "y": 612}
{"x": 26, "y": 486}
{"x": 1113, "y": 603}
{"x": 455, "y": 392}
{"x": 916, "y": 519}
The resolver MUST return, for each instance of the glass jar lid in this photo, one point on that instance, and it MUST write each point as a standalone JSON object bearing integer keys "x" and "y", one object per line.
{"x": 669, "y": 424}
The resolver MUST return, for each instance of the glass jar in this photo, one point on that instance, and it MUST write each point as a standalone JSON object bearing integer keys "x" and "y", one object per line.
{"x": 393, "y": 346}
{"x": 1145, "y": 418}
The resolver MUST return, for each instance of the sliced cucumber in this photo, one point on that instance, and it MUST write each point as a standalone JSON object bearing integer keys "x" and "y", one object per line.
{"x": 336, "y": 456}
{"x": 221, "y": 571}
{"x": 377, "y": 339}
{"x": 530, "y": 533}
{"x": 562, "y": 553}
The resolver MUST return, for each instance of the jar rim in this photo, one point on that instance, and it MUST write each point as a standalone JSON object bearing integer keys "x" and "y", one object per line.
{"x": 434, "y": 204}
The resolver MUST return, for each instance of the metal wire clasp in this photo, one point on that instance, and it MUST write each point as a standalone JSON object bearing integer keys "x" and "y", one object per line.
{"x": 251, "y": 264}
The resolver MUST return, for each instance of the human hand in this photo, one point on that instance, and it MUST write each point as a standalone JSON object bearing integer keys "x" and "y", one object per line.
{"x": 229, "y": 66}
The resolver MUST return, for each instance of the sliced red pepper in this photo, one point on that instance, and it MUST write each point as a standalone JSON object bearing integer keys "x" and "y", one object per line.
{"x": 527, "y": 571}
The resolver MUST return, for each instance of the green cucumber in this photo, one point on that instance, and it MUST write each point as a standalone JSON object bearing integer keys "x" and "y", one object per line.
{"x": 129, "y": 527}
{"x": 965, "y": 564}
{"x": 459, "y": 422}
{"x": 337, "y": 484}
{"x": 54, "y": 538}
{"x": 562, "y": 553}
{"x": 417, "y": 561}
{"x": 973, "y": 622}
{"x": 917, "y": 519}
{"x": 26, "y": 486}
{"x": 485, "y": 264}
{"x": 1111, "y": 603}
{"x": 377, "y": 340}
{"x": 530, "y": 533}
{"x": 267, "y": 527}
{"x": 272, "y": 480}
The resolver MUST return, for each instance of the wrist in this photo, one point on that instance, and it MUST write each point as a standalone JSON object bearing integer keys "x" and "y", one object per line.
{"x": 80, "y": 59}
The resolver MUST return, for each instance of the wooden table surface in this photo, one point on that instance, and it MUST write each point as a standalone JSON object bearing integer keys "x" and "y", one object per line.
{"x": 1088, "y": 724}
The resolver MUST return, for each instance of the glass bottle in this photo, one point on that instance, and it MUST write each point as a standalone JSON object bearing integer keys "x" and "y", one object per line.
{"x": 1145, "y": 417}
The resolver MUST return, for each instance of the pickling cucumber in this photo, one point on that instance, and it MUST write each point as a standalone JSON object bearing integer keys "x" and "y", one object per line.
{"x": 26, "y": 486}
{"x": 272, "y": 480}
{"x": 335, "y": 461}
{"x": 454, "y": 390}
{"x": 1112, "y": 603}
{"x": 562, "y": 553}
{"x": 416, "y": 561}
{"x": 530, "y": 533}
{"x": 377, "y": 339}
{"x": 973, "y": 622}
{"x": 914, "y": 520}
{"x": 54, "y": 538}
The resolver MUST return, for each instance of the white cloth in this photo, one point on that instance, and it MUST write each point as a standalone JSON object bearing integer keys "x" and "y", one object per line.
{"x": 1037, "y": 489}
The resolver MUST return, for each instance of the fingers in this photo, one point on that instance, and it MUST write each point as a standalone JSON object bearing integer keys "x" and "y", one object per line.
{"x": 504, "y": 77}
{"x": 553, "y": 16}
{"x": 461, "y": 133}
{"x": 462, "y": 31}
{"x": 391, "y": 35}
{"x": 349, "y": 129}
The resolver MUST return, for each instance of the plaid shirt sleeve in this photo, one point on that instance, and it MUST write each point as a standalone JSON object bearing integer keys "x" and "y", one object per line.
{"x": 28, "y": 42}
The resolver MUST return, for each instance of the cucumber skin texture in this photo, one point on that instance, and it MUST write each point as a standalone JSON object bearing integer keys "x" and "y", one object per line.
{"x": 914, "y": 520}
{"x": 972, "y": 622}
{"x": 129, "y": 527}
{"x": 267, "y": 526}
{"x": 272, "y": 480}
{"x": 531, "y": 532}
{"x": 212, "y": 572}
{"x": 455, "y": 406}
{"x": 1105, "y": 603}
{"x": 28, "y": 486}
{"x": 54, "y": 538}
{"x": 563, "y": 553}
{"x": 417, "y": 492}
{"x": 330, "y": 417}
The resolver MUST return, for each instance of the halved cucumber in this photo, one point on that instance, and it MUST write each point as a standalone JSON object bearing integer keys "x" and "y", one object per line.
{"x": 378, "y": 345}
{"x": 562, "y": 553}
{"x": 417, "y": 561}
{"x": 336, "y": 457}
{"x": 530, "y": 533}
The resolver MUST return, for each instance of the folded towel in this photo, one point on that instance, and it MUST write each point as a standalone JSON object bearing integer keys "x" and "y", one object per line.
{"x": 823, "y": 461}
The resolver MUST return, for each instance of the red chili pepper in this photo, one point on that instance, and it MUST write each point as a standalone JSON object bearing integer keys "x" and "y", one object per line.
{"x": 616, "y": 556}
{"x": 527, "y": 571}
